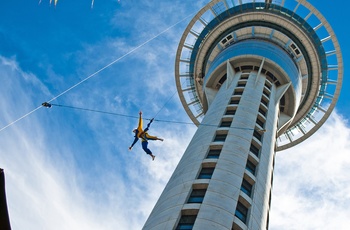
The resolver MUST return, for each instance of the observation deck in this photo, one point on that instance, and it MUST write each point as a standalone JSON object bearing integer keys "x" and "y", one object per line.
{"x": 293, "y": 40}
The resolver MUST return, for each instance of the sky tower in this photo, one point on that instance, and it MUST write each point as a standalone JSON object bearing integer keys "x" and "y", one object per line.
{"x": 256, "y": 77}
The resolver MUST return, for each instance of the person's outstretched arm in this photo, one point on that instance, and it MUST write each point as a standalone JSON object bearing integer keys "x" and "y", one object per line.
{"x": 138, "y": 131}
{"x": 139, "y": 127}
{"x": 133, "y": 143}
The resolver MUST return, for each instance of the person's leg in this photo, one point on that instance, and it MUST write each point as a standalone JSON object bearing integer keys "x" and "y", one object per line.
{"x": 146, "y": 149}
{"x": 153, "y": 138}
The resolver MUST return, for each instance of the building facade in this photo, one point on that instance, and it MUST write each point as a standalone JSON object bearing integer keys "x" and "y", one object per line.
{"x": 256, "y": 77}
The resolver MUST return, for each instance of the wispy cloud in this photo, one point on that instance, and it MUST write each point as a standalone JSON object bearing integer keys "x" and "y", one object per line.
{"x": 311, "y": 183}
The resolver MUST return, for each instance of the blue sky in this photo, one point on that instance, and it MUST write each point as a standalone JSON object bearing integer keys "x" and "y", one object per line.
{"x": 71, "y": 169}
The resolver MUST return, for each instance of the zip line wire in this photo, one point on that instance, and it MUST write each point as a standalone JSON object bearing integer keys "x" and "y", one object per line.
{"x": 93, "y": 110}
{"x": 136, "y": 117}
{"x": 118, "y": 59}
{"x": 98, "y": 71}
{"x": 25, "y": 115}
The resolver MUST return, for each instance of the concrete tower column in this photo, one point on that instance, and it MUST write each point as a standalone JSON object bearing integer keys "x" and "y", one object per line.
{"x": 242, "y": 100}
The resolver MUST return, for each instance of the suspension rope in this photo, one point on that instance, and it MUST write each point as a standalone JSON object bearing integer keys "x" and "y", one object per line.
{"x": 94, "y": 110}
{"x": 98, "y": 71}
{"x": 166, "y": 102}
{"x": 45, "y": 104}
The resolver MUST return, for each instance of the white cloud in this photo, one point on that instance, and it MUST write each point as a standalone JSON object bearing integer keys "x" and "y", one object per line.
{"x": 311, "y": 182}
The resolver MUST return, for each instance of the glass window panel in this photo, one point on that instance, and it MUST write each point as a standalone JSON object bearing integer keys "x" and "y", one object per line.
{"x": 262, "y": 112}
{"x": 230, "y": 112}
{"x": 186, "y": 222}
{"x": 241, "y": 212}
{"x": 254, "y": 150}
{"x": 214, "y": 153}
{"x": 257, "y": 135}
{"x": 220, "y": 137}
{"x": 260, "y": 122}
{"x": 250, "y": 167}
{"x": 264, "y": 102}
{"x": 225, "y": 124}
{"x": 246, "y": 187}
{"x": 197, "y": 196}
{"x": 234, "y": 101}
{"x": 206, "y": 173}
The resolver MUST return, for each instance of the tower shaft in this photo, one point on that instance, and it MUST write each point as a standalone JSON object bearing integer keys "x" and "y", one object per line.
{"x": 224, "y": 178}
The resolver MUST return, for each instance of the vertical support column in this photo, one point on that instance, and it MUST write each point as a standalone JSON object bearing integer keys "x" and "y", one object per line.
{"x": 263, "y": 178}
{"x": 168, "y": 208}
{"x": 218, "y": 206}
{"x": 221, "y": 207}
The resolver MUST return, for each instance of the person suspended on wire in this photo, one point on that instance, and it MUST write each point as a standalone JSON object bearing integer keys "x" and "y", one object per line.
{"x": 140, "y": 133}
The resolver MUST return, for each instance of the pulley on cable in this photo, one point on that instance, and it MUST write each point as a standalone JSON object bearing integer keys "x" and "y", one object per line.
{"x": 46, "y": 104}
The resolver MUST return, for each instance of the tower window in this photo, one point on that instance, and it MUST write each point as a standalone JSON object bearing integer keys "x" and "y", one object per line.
{"x": 262, "y": 111}
{"x": 206, "y": 173}
{"x": 244, "y": 76}
{"x": 246, "y": 187}
{"x": 266, "y": 93}
{"x": 186, "y": 222}
{"x": 268, "y": 86}
{"x": 241, "y": 212}
{"x": 264, "y": 102}
{"x": 257, "y": 135}
{"x": 234, "y": 101}
{"x": 271, "y": 76}
{"x": 260, "y": 122}
{"x": 220, "y": 137}
{"x": 225, "y": 123}
{"x": 247, "y": 67}
{"x": 250, "y": 166}
{"x": 254, "y": 150}
{"x": 197, "y": 196}
{"x": 230, "y": 111}
{"x": 214, "y": 153}
{"x": 238, "y": 92}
